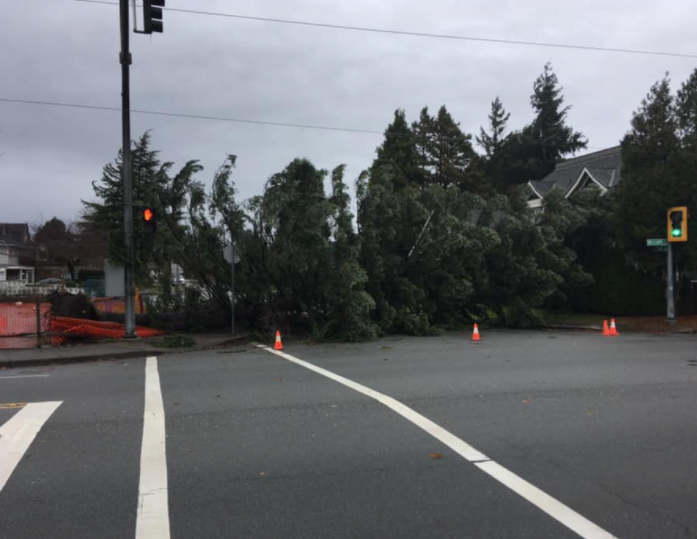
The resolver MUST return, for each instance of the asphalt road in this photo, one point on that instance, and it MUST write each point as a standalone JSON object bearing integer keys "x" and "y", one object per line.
{"x": 603, "y": 429}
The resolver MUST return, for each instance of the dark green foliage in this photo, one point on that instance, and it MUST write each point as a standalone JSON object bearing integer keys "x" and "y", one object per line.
{"x": 153, "y": 188}
{"x": 59, "y": 244}
{"x": 532, "y": 262}
{"x": 660, "y": 159}
{"x": 617, "y": 288}
{"x": 658, "y": 172}
{"x": 349, "y": 305}
{"x": 495, "y": 143}
{"x": 444, "y": 153}
{"x": 553, "y": 139}
{"x": 443, "y": 236}
{"x": 398, "y": 153}
{"x": 302, "y": 256}
{"x": 532, "y": 152}
{"x": 441, "y": 257}
{"x": 173, "y": 341}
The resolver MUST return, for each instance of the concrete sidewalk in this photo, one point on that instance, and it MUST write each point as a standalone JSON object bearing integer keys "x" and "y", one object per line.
{"x": 49, "y": 355}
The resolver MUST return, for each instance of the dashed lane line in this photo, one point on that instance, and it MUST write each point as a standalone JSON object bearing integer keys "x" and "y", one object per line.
{"x": 24, "y": 376}
{"x": 553, "y": 507}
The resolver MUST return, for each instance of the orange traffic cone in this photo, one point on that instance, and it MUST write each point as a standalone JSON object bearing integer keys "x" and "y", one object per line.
{"x": 475, "y": 333}
{"x": 613, "y": 328}
{"x": 606, "y": 330}
{"x": 278, "y": 345}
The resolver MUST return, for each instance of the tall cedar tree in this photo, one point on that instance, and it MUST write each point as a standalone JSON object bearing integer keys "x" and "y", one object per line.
{"x": 494, "y": 143}
{"x": 686, "y": 109}
{"x": 445, "y": 153}
{"x": 150, "y": 180}
{"x": 660, "y": 159}
{"x": 398, "y": 152}
{"x": 533, "y": 152}
{"x": 648, "y": 176}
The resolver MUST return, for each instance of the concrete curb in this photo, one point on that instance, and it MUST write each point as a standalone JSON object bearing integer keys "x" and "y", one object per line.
{"x": 48, "y": 359}
{"x": 573, "y": 327}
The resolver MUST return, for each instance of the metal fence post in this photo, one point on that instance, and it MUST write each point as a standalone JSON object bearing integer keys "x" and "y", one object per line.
{"x": 38, "y": 323}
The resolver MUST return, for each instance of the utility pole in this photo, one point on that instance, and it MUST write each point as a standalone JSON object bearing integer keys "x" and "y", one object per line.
{"x": 670, "y": 293}
{"x": 126, "y": 174}
{"x": 232, "y": 284}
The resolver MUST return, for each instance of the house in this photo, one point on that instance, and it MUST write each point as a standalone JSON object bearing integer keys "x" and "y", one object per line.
{"x": 599, "y": 170}
{"x": 16, "y": 253}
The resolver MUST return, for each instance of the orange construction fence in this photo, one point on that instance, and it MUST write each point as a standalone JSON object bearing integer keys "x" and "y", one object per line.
{"x": 18, "y": 323}
{"x": 117, "y": 305}
{"x": 90, "y": 328}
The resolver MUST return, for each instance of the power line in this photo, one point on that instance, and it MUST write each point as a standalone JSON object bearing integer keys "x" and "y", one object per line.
{"x": 191, "y": 116}
{"x": 194, "y": 116}
{"x": 416, "y": 34}
{"x": 642, "y": 148}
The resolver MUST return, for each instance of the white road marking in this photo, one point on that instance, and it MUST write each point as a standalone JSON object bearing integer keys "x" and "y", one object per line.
{"x": 24, "y": 376}
{"x": 152, "y": 520}
{"x": 17, "y": 434}
{"x": 554, "y": 508}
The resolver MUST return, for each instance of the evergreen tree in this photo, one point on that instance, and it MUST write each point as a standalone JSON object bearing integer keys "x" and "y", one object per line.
{"x": 549, "y": 131}
{"x": 494, "y": 144}
{"x": 684, "y": 192}
{"x": 654, "y": 129}
{"x": 533, "y": 152}
{"x": 496, "y": 138}
{"x": 398, "y": 152}
{"x": 423, "y": 142}
{"x": 686, "y": 110}
{"x": 59, "y": 244}
{"x": 452, "y": 152}
{"x": 152, "y": 187}
{"x": 648, "y": 174}
{"x": 349, "y": 306}
{"x": 444, "y": 152}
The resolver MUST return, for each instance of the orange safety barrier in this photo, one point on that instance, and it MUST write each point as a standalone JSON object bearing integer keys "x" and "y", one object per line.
{"x": 117, "y": 305}
{"x": 90, "y": 328}
{"x": 18, "y": 324}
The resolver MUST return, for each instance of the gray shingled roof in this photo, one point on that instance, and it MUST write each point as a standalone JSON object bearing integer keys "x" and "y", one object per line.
{"x": 605, "y": 166}
{"x": 543, "y": 188}
{"x": 14, "y": 233}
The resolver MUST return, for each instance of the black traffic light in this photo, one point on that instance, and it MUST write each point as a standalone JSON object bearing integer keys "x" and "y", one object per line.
{"x": 677, "y": 224}
{"x": 152, "y": 16}
{"x": 149, "y": 221}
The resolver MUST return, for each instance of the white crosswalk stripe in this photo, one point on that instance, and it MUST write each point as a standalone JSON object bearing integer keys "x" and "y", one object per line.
{"x": 153, "y": 497}
{"x": 17, "y": 434}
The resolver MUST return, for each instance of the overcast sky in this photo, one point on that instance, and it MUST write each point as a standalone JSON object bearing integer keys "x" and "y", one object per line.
{"x": 67, "y": 51}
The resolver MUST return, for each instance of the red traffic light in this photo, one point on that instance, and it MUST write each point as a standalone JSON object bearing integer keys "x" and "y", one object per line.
{"x": 148, "y": 214}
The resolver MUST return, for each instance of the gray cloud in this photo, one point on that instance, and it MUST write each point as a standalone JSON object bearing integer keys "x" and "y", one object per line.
{"x": 61, "y": 50}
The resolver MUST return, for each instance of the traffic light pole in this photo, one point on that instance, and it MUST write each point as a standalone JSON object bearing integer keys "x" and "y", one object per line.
{"x": 670, "y": 294}
{"x": 126, "y": 173}
{"x": 232, "y": 285}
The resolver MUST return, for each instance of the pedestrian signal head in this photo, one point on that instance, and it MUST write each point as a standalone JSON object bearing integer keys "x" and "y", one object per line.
{"x": 149, "y": 221}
